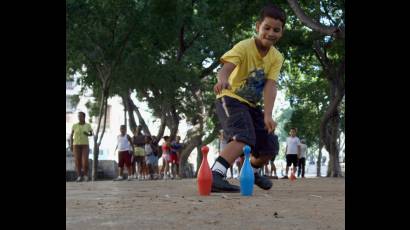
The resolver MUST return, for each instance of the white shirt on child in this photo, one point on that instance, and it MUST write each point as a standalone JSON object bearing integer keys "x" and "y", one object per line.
{"x": 292, "y": 144}
{"x": 123, "y": 143}
{"x": 303, "y": 150}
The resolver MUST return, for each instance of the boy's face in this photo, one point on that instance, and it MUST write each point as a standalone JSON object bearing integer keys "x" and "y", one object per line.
{"x": 81, "y": 117}
{"x": 293, "y": 132}
{"x": 269, "y": 31}
{"x": 122, "y": 130}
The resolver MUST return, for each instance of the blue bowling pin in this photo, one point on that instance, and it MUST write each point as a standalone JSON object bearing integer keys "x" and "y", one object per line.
{"x": 246, "y": 177}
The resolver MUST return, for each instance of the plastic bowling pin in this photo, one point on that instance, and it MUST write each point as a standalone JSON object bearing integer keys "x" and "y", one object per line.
{"x": 204, "y": 177}
{"x": 292, "y": 175}
{"x": 246, "y": 177}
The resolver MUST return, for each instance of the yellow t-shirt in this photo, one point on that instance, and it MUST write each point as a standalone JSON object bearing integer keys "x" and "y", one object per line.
{"x": 79, "y": 137}
{"x": 248, "y": 78}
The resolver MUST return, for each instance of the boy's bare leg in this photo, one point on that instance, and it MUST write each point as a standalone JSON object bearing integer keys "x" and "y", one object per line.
{"x": 260, "y": 161}
{"x": 232, "y": 151}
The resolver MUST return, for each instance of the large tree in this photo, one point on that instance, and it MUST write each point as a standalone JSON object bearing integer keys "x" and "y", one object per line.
{"x": 327, "y": 43}
{"x": 98, "y": 43}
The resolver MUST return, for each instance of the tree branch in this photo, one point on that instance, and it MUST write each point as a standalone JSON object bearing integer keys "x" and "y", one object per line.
{"x": 209, "y": 70}
{"x": 124, "y": 44}
{"x": 181, "y": 43}
{"x": 192, "y": 41}
{"x": 309, "y": 22}
{"x": 321, "y": 55}
{"x": 105, "y": 118}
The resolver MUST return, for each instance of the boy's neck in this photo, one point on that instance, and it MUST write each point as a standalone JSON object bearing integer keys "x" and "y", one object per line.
{"x": 261, "y": 49}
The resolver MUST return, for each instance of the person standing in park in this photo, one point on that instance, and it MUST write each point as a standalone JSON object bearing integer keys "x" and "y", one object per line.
{"x": 302, "y": 158}
{"x": 79, "y": 146}
{"x": 292, "y": 151}
{"x": 166, "y": 148}
{"x": 125, "y": 151}
{"x": 150, "y": 158}
{"x": 176, "y": 147}
{"x": 138, "y": 158}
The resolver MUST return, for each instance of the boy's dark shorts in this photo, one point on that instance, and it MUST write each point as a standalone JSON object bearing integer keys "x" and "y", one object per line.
{"x": 291, "y": 159}
{"x": 245, "y": 124}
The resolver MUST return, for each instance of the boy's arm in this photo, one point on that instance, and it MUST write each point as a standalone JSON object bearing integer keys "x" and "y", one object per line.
{"x": 299, "y": 151}
{"x": 89, "y": 133}
{"x": 71, "y": 140}
{"x": 132, "y": 145}
{"x": 269, "y": 96}
{"x": 223, "y": 76}
{"x": 116, "y": 146}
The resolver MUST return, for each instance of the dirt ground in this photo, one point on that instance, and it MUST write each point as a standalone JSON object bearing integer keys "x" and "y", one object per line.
{"x": 310, "y": 203}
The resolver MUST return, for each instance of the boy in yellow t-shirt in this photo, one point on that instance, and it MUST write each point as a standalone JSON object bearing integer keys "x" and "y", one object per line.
{"x": 80, "y": 147}
{"x": 250, "y": 70}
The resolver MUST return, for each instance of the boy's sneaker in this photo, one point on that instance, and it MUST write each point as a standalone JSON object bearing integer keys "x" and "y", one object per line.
{"x": 86, "y": 178}
{"x": 78, "y": 179}
{"x": 275, "y": 177}
{"x": 285, "y": 177}
{"x": 129, "y": 178}
{"x": 119, "y": 178}
{"x": 219, "y": 184}
{"x": 262, "y": 182}
{"x": 139, "y": 177}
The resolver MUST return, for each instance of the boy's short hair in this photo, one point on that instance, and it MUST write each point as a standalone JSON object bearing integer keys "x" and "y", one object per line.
{"x": 82, "y": 113}
{"x": 293, "y": 128}
{"x": 272, "y": 11}
{"x": 123, "y": 127}
{"x": 166, "y": 138}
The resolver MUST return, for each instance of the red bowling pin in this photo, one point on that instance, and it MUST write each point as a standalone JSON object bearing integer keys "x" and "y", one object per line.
{"x": 292, "y": 175}
{"x": 204, "y": 177}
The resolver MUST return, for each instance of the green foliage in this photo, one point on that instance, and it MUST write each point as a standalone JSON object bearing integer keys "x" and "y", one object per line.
{"x": 158, "y": 50}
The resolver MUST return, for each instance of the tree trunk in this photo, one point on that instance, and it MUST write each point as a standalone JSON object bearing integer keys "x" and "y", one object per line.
{"x": 186, "y": 152}
{"x": 125, "y": 117}
{"x": 162, "y": 126}
{"x": 334, "y": 165}
{"x": 319, "y": 160}
{"x": 130, "y": 108}
{"x": 97, "y": 137}
{"x": 329, "y": 127}
{"x": 174, "y": 122}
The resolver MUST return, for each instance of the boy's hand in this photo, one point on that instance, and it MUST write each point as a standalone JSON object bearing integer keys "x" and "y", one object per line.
{"x": 270, "y": 125}
{"x": 220, "y": 85}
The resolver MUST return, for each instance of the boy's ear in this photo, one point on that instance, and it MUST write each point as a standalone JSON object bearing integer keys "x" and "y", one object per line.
{"x": 258, "y": 24}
